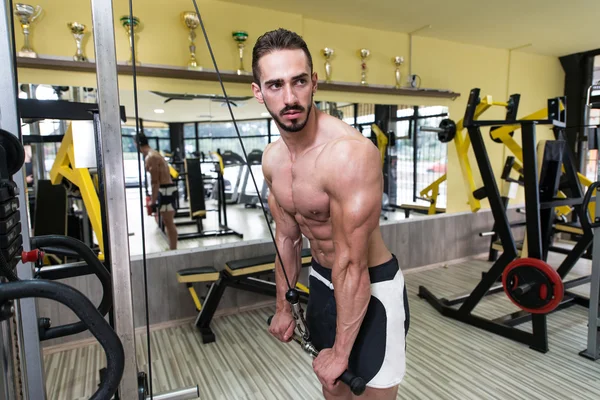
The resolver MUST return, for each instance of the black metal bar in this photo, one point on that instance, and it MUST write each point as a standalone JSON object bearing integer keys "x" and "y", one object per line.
{"x": 520, "y": 317}
{"x": 398, "y": 119}
{"x": 540, "y": 332}
{"x": 413, "y": 125}
{"x": 60, "y": 109}
{"x": 460, "y": 298}
{"x": 213, "y": 298}
{"x": 501, "y": 223}
{"x": 577, "y": 282}
{"x": 31, "y": 139}
{"x": 211, "y": 233}
{"x": 532, "y": 194}
{"x": 584, "y": 242}
{"x": 479, "y": 322}
{"x": 560, "y": 202}
{"x": 64, "y": 271}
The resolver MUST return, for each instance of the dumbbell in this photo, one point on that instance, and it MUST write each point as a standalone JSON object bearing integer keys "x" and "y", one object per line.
{"x": 446, "y": 130}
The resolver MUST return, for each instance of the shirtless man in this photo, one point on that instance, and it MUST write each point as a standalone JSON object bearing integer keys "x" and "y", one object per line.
{"x": 326, "y": 183}
{"x": 164, "y": 191}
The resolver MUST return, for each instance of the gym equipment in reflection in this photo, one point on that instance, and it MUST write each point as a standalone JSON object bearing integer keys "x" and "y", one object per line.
{"x": 73, "y": 172}
{"x": 248, "y": 195}
{"x": 233, "y": 167}
{"x": 528, "y": 281}
{"x": 197, "y": 194}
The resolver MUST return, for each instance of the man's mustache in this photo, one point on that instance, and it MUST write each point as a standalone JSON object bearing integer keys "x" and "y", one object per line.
{"x": 291, "y": 108}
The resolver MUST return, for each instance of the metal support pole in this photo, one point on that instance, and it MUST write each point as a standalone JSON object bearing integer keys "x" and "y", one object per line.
{"x": 26, "y": 308}
{"x": 38, "y": 148}
{"x": 114, "y": 179}
{"x": 593, "y": 338}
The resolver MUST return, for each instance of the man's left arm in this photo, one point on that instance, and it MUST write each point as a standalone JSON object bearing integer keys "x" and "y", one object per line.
{"x": 355, "y": 191}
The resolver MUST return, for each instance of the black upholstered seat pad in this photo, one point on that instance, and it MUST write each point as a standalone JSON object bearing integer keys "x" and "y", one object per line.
{"x": 197, "y": 270}
{"x": 256, "y": 261}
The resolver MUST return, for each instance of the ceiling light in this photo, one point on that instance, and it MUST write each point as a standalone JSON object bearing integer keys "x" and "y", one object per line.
{"x": 159, "y": 111}
{"x": 265, "y": 114}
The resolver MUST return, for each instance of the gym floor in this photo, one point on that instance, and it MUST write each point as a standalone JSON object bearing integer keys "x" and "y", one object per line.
{"x": 446, "y": 359}
{"x": 248, "y": 221}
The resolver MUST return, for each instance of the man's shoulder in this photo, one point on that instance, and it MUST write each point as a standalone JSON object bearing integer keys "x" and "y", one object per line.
{"x": 349, "y": 148}
{"x": 271, "y": 155}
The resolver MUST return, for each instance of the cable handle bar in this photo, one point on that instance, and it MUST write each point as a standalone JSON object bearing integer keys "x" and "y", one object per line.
{"x": 97, "y": 267}
{"x": 357, "y": 384}
{"x": 89, "y": 316}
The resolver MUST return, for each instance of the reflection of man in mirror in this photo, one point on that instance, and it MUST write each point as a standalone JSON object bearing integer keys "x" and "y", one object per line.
{"x": 164, "y": 191}
{"x": 326, "y": 183}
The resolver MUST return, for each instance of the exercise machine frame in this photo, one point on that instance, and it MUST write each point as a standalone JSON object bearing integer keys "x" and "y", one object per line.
{"x": 537, "y": 212}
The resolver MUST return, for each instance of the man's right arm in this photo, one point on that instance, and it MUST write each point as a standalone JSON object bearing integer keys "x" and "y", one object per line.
{"x": 288, "y": 239}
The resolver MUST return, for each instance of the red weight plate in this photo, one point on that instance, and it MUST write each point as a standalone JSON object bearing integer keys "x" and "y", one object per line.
{"x": 558, "y": 288}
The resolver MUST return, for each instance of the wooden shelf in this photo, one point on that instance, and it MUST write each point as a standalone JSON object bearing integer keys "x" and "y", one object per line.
{"x": 163, "y": 71}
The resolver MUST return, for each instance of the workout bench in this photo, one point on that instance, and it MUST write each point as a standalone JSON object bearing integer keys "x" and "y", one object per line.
{"x": 240, "y": 274}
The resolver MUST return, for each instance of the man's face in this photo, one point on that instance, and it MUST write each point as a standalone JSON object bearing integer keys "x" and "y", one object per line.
{"x": 287, "y": 88}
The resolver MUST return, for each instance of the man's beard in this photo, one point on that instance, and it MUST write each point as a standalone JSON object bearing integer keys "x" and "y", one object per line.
{"x": 295, "y": 127}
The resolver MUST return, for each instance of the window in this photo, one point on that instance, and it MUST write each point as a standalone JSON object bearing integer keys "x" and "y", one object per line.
{"x": 419, "y": 157}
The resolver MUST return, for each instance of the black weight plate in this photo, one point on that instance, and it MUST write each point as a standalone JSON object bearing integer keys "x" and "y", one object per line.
{"x": 15, "y": 154}
{"x": 14, "y": 248}
{"x": 449, "y": 132}
{"x": 535, "y": 278}
{"x": 8, "y": 223}
{"x": 9, "y": 207}
{"x": 6, "y": 240}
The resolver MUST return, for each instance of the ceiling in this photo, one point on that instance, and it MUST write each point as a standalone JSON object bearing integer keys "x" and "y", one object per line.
{"x": 554, "y": 28}
{"x": 188, "y": 110}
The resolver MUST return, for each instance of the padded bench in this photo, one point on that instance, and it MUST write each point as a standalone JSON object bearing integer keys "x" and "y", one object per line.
{"x": 258, "y": 265}
{"x": 197, "y": 274}
{"x": 242, "y": 274}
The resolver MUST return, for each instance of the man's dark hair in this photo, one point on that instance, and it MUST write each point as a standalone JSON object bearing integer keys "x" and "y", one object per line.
{"x": 280, "y": 39}
{"x": 141, "y": 139}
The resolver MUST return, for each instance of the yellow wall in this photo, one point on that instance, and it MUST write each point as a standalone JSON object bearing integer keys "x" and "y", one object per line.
{"x": 440, "y": 64}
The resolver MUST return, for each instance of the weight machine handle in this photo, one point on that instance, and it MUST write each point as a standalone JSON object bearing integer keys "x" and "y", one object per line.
{"x": 356, "y": 384}
{"x": 89, "y": 316}
{"x": 92, "y": 261}
{"x": 586, "y": 202}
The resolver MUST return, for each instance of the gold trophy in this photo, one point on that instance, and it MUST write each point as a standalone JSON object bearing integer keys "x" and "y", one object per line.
{"x": 327, "y": 53}
{"x": 78, "y": 31}
{"x": 240, "y": 37}
{"x": 191, "y": 21}
{"x": 364, "y": 54}
{"x": 27, "y": 15}
{"x": 398, "y": 61}
{"x": 131, "y": 27}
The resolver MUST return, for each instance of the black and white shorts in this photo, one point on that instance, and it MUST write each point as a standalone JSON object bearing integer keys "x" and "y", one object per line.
{"x": 379, "y": 352}
{"x": 167, "y": 198}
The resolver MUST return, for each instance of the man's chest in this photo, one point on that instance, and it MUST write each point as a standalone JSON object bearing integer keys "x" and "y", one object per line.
{"x": 298, "y": 188}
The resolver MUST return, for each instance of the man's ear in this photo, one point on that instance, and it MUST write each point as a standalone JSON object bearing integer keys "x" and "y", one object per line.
{"x": 257, "y": 93}
{"x": 315, "y": 81}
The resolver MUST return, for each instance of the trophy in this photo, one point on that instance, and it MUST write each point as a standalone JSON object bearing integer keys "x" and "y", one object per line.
{"x": 78, "y": 31}
{"x": 398, "y": 61}
{"x": 240, "y": 37}
{"x": 27, "y": 15}
{"x": 364, "y": 54}
{"x": 131, "y": 27}
{"x": 191, "y": 21}
{"x": 327, "y": 53}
